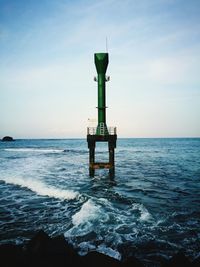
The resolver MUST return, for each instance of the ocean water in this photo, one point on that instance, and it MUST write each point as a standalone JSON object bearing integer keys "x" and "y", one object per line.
{"x": 151, "y": 209}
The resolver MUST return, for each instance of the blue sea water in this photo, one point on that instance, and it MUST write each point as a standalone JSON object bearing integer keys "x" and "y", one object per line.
{"x": 151, "y": 209}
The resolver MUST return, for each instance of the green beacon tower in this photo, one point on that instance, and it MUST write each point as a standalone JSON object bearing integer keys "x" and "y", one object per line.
{"x": 101, "y": 133}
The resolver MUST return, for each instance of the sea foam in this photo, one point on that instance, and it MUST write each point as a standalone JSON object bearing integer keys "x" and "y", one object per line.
{"x": 43, "y": 150}
{"x": 109, "y": 251}
{"x": 144, "y": 214}
{"x": 88, "y": 212}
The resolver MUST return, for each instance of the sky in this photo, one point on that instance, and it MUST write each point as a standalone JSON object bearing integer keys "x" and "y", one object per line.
{"x": 47, "y": 70}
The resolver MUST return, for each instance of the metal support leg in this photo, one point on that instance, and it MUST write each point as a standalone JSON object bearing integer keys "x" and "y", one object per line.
{"x": 112, "y": 162}
{"x": 91, "y": 161}
{"x": 92, "y": 140}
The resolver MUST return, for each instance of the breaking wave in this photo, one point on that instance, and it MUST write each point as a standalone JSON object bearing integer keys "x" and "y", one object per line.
{"x": 42, "y": 189}
{"x": 88, "y": 212}
{"x": 40, "y": 150}
{"x": 144, "y": 214}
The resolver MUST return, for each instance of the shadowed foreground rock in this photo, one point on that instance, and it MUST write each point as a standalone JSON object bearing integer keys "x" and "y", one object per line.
{"x": 43, "y": 251}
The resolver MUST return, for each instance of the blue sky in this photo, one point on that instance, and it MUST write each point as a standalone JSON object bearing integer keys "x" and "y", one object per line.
{"x": 47, "y": 67}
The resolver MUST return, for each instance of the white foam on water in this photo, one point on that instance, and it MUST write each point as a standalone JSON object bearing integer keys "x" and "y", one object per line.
{"x": 40, "y": 188}
{"x": 109, "y": 251}
{"x": 85, "y": 247}
{"x": 47, "y": 150}
{"x": 88, "y": 212}
{"x": 90, "y": 218}
{"x": 144, "y": 214}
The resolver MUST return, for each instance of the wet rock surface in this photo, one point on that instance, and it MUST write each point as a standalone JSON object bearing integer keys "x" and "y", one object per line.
{"x": 43, "y": 250}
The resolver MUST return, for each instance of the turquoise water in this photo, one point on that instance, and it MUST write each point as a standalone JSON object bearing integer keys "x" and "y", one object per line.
{"x": 151, "y": 209}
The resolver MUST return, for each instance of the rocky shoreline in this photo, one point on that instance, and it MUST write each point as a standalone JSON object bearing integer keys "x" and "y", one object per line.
{"x": 43, "y": 250}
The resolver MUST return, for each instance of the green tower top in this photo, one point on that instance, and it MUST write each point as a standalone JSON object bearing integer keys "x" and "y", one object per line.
{"x": 101, "y": 62}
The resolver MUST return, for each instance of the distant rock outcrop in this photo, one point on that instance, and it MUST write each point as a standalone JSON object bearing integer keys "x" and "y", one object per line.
{"x": 7, "y": 139}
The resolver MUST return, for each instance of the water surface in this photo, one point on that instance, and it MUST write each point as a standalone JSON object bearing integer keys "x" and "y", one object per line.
{"x": 151, "y": 209}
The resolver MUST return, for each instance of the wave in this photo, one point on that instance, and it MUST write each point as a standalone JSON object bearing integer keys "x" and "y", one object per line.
{"x": 41, "y": 188}
{"x": 109, "y": 251}
{"x": 75, "y": 151}
{"x": 88, "y": 212}
{"x": 92, "y": 212}
{"x": 43, "y": 150}
{"x": 144, "y": 214}
{"x": 97, "y": 216}
{"x": 89, "y": 219}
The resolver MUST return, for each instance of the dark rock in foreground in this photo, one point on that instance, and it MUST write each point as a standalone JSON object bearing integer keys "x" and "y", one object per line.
{"x": 11, "y": 255}
{"x": 7, "y": 139}
{"x": 179, "y": 259}
{"x": 42, "y": 251}
{"x": 98, "y": 259}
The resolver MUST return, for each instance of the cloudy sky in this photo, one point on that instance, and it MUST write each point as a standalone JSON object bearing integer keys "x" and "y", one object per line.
{"x": 47, "y": 67}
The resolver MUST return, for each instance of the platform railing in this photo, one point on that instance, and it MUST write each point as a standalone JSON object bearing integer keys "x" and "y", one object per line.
{"x": 110, "y": 130}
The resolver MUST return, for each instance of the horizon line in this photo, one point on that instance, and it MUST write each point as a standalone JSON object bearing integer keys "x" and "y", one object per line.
{"x": 67, "y": 138}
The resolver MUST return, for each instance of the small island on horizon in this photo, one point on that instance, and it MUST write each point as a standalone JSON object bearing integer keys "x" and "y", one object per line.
{"x": 7, "y": 139}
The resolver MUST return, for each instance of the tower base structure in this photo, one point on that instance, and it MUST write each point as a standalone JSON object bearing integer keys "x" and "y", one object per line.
{"x": 111, "y": 139}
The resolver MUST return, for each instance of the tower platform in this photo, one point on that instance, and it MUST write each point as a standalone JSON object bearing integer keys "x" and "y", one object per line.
{"x": 92, "y": 139}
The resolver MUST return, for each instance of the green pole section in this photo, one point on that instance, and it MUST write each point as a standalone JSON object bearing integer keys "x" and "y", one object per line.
{"x": 101, "y": 63}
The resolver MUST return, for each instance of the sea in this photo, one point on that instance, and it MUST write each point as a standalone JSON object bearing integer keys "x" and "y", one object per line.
{"x": 150, "y": 209}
